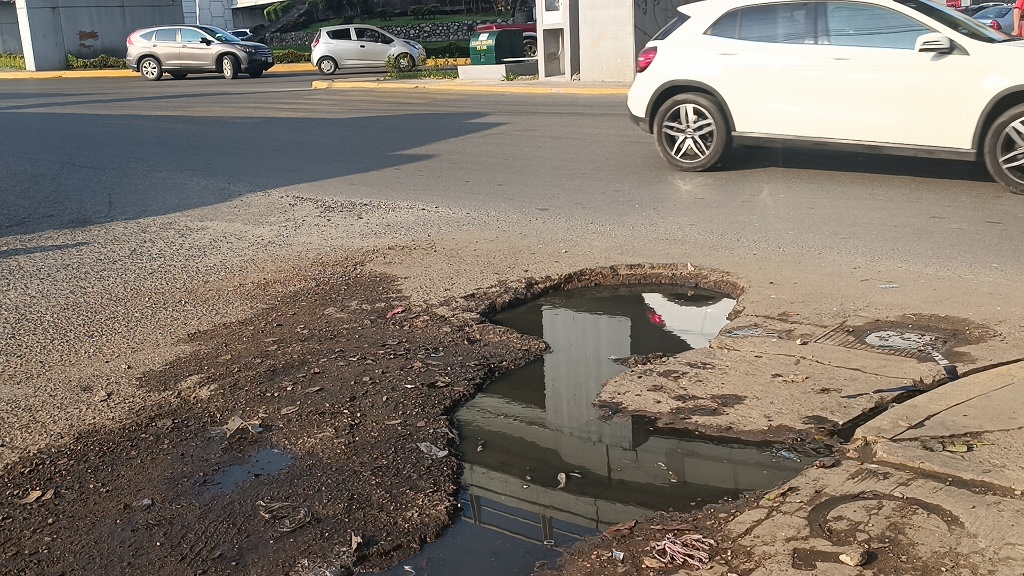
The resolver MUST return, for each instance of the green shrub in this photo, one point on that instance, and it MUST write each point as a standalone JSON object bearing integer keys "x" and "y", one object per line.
{"x": 385, "y": 14}
{"x": 101, "y": 61}
{"x": 348, "y": 18}
{"x": 16, "y": 61}
{"x": 449, "y": 50}
{"x": 290, "y": 57}
{"x": 274, "y": 12}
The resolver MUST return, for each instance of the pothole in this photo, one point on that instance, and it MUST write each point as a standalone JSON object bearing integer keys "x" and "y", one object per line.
{"x": 543, "y": 469}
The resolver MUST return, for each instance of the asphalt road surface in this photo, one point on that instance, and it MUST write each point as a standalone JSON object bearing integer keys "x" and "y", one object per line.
{"x": 84, "y": 152}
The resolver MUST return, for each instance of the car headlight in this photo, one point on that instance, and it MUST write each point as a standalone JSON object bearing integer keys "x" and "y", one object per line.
{"x": 247, "y": 49}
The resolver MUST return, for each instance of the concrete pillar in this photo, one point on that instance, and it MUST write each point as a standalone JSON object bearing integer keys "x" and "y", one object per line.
{"x": 10, "y": 37}
{"x": 42, "y": 37}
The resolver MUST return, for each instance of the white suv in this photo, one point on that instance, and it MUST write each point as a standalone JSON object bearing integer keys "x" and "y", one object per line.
{"x": 903, "y": 77}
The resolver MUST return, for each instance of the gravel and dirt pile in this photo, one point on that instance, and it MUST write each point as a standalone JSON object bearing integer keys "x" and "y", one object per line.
{"x": 333, "y": 389}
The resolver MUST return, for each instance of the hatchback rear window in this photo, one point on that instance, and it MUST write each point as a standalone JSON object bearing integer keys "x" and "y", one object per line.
{"x": 995, "y": 12}
{"x": 671, "y": 27}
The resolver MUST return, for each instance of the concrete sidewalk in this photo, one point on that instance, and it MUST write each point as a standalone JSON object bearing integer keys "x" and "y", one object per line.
{"x": 931, "y": 486}
{"x": 514, "y": 87}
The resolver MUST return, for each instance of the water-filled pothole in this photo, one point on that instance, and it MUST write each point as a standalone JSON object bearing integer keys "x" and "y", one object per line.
{"x": 543, "y": 470}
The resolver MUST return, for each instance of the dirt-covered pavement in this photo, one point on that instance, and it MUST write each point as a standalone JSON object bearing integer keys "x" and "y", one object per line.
{"x": 131, "y": 358}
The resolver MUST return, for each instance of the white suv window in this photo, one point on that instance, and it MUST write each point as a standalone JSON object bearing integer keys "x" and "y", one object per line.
{"x": 851, "y": 24}
{"x": 788, "y": 23}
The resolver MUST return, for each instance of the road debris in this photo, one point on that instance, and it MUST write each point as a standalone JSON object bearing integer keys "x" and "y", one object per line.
{"x": 561, "y": 480}
{"x": 32, "y": 497}
{"x": 142, "y": 504}
{"x": 395, "y": 312}
{"x": 827, "y": 462}
{"x": 856, "y": 557}
{"x": 432, "y": 450}
{"x": 356, "y": 541}
{"x": 287, "y": 516}
{"x": 480, "y": 446}
{"x": 690, "y": 549}
{"x": 623, "y": 529}
{"x": 653, "y": 563}
{"x": 288, "y": 410}
{"x": 236, "y": 424}
{"x": 618, "y": 556}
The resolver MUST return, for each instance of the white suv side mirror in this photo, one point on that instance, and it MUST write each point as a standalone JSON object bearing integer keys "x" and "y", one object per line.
{"x": 933, "y": 42}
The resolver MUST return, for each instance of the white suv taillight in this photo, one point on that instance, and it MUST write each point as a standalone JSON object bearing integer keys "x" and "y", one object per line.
{"x": 645, "y": 58}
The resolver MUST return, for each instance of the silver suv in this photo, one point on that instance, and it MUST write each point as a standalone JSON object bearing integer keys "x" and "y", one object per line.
{"x": 185, "y": 49}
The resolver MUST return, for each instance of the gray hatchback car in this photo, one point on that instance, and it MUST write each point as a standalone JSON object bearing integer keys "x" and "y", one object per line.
{"x": 184, "y": 49}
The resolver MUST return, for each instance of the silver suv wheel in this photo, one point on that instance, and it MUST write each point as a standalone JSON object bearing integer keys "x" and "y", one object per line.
{"x": 150, "y": 69}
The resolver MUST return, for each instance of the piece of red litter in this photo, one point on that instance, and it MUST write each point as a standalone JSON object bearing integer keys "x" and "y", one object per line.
{"x": 396, "y": 311}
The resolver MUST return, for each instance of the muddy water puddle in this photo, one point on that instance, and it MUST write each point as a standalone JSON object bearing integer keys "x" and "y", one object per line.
{"x": 541, "y": 468}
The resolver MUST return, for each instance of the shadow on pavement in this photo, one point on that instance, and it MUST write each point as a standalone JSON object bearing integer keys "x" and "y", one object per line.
{"x": 124, "y": 167}
{"x": 753, "y": 158}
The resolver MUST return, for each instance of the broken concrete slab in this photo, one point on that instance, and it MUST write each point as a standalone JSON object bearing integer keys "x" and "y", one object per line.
{"x": 985, "y": 401}
{"x": 946, "y": 464}
{"x": 765, "y": 388}
{"x": 983, "y": 407}
{"x": 909, "y": 525}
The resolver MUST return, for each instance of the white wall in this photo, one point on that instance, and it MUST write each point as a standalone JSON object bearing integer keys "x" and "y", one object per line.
{"x": 606, "y": 44}
{"x": 52, "y": 29}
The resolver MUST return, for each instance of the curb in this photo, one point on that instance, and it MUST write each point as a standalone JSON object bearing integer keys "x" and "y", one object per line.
{"x": 944, "y": 464}
{"x": 455, "y": 87}
{"x": 122, "y": 73}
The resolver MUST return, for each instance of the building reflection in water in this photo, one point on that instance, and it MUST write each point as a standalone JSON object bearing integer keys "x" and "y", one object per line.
{"x": 533, "y": 423}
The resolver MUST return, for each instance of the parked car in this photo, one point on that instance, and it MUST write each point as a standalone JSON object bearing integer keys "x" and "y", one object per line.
{"x": 998, "y": 17}
{"x": 974, "y": 9}
{"x": 184, "y": 49}
{"x": 529, "y": 35}
{"x": 864, "y": 75}
{"x": 240, "y": 33}
{"x": 362, "y": 46}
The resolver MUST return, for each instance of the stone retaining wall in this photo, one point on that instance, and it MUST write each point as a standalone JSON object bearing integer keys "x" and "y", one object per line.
{"x": 426, "y": 32}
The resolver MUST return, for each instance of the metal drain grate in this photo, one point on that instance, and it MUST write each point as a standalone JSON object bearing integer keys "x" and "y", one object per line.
{"x": 920, "y": 346}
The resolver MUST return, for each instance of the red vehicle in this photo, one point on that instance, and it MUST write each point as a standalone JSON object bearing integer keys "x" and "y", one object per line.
{"x": 529, "y": 35}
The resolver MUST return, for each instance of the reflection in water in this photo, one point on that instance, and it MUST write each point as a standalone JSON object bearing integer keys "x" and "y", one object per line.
{"x": 536, "y": 422}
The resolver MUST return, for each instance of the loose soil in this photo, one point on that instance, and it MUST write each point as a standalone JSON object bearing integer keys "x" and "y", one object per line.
{"x": 331, "y": 381}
